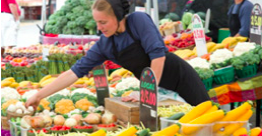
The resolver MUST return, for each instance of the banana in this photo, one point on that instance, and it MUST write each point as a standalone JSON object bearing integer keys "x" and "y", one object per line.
{"x": 218, "y": 46}
{"x": 80, "y": 81}
{"x": 48, "y": 81}
{"x": 231, "y": 41}
{"x": 11, "y": 79}
{"x": 24, "y": 83}
{"x": 241, "y": 39}
{"x": 6, "y": 83}
{"x": 210, "y": 45}
{"x": 45, "y": 78}
{"x": 14, "y": 85}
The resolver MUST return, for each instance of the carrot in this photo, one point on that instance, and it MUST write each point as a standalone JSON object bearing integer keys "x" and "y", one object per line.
{"x": 113, "y": 85}
{"x": 206, "y": 56}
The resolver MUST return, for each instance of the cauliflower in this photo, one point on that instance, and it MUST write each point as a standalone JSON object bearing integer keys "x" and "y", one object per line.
{"x": 199, "y": 62}
{"x": 64, "y": 106}
{"x": 220, "y": 56}
{"x": 243, "y": 47}
{"x": 8, "y": 103}
{"x": 9, "y": 93}
{"x": 128, "y": 83}
{"x": 83, "y": 104}
{"x": 83, "y": 90}
{"x": 44, "y": 104}
{"x": 63, "y": 92}
{"x": 29, "y": 94}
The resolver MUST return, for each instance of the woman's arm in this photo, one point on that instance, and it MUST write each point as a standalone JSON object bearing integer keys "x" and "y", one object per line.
{"x": 63, "y": 81}
{"x": 157, "y": 65}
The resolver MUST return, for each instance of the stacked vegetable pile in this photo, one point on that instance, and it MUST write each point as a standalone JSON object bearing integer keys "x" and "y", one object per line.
{"x": 75, "y": 17}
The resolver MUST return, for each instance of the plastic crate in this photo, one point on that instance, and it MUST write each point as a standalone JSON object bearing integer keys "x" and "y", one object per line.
{"x": 200, "y": 129}
{"x": 224, "y": 75}
{"x": 247, "y": 71}
{"x": 240, "y": 124}
{"x": 164, "y": 122}
{"x": 208, "y": 83}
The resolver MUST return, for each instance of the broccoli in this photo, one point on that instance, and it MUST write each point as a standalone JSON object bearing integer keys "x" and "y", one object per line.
{"x": 251, "y": 58}
{"x": 78, "y": 9}
{"x": 55, "y": 98}
{"x": 204, "y": 73}
{"x": 78, "y": 96}
{"x": 260, "y": 53}
{"x": 238, "y": 63}
{"x": 81, "y": 21}
{"x": 78, "y": 30}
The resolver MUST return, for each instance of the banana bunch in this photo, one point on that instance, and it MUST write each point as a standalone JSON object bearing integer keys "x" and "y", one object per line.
{"x": 230, "y": 42}
{"x": 120, "y": 72}
{"x": 241, "y": 39}
{"x": 184, "y": 53}
{"x": 81, "y": 81}
{"x": 46, "y": 80}
{"x": 90, "y": 82}
{"x": 9, "y": 82}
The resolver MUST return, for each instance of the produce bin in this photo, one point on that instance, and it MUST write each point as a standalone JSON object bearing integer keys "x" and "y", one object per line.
{"x": 235, "y": 124}
{"x": 4, "y": 122}
{"x": 164, "y": 122}
{"x": 197, "y": 129}
{"x": 224, "y": 75}
{"x": 208, "y": 83}
{"x": 247, "y": 71}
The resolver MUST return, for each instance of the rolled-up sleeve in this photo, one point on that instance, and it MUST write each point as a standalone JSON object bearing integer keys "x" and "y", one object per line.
{"x": 150, "y": 37}
{"x": 245, "y": 20}
{"x": 94, "y": 57}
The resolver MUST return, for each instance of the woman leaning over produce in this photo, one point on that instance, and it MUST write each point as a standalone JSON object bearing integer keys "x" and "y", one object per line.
{"x": 134, "y": 42}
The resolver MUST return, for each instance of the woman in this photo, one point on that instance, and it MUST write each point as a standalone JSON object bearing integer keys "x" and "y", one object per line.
{"x": 133, "y": 42}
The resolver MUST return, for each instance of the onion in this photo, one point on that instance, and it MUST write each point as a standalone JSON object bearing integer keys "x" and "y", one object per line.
{"x": 37, "y": 122}
{"x": 59, "y": 120}
{"x": 93, "y": 118}
{"x": 71, "y": 122}
{"x": 108, "y": 118}
{"x": 47, "y": 120}
{"x": 77, "y": 117}
{"x": 26, "y": 122}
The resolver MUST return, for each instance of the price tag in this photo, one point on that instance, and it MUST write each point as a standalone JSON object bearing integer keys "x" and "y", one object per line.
{"x": 101, "y": 84}
{"x": 45, "y": 53}
{"x": 256, "y": 24}
{"x": 199, "y": 35}
{"x": 148, "y": 100}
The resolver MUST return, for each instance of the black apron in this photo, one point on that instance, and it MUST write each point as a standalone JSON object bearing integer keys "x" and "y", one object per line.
{"x": 177, "y": 74}
{"x": 234, "y": 21}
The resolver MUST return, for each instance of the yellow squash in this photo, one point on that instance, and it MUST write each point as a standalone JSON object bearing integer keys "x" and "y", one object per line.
{"x": 204, "y": 119}
{"x": 199, "y": 110}
{"x": 129, "y": 132}
{"x": 240, "y": 131}
{"x": 169, "y": 131}
{"x": 100, "y": 132}
{"x": 233, "y": 115}
{"x": 255, "y": 131}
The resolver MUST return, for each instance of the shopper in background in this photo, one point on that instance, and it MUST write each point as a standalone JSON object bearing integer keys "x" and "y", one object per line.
{"x": 9, "y": 23}
{"x": 239, "y": 18}
{"x": 134, "y": 42}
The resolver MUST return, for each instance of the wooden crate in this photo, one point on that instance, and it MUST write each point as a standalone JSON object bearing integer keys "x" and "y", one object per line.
{"x": 129, "y": 111}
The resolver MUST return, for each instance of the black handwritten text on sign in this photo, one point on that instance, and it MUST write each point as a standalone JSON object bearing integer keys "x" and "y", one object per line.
{"x": 101, "y": 84}
{"x": 148, "y": 99}
{"x": 256, "y": 24}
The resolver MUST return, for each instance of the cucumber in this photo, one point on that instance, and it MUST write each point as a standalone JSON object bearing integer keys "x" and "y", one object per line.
{"x": 177, "y": 116}
{"x": 144, "y": 132}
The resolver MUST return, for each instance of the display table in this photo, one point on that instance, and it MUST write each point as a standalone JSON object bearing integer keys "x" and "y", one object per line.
{"x": 68, "y": 39}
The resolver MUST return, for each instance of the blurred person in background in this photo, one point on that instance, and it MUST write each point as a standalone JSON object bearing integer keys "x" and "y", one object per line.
{"x": 9, "y": 23}
{"x": 239, "y": 18}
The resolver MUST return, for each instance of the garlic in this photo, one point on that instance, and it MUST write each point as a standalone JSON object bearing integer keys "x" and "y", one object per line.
{"x": 11, "y": 108}
{"x": 19, "y": 111}
{"x": 30, "y": 108}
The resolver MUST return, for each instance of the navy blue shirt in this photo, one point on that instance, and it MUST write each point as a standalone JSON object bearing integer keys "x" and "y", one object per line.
{"x": 244, "y": 16}
{"x": 143, "y": 29}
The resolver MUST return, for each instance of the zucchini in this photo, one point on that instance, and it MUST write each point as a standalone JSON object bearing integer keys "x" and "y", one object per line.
{"x": 143, "y": 132}
{"x": 176, "y": 116}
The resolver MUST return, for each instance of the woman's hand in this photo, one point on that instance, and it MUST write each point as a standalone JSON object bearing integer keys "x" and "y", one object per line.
{"x": 33, "y": 101}
{"x": 63, "y": 81}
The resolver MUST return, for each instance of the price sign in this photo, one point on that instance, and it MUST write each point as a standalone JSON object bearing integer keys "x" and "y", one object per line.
{"x": 45, "y": 53}
{"x": 101, "y": 84}
{"x": 148, "y": 99}
{"x": 256, "y": 24}
{"x": 199, "y": 35}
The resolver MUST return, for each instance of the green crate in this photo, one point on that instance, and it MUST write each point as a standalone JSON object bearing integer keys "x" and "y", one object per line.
{"x": 224, "y": 75}
{"x": 208, "y": 83}
{"x": 247, "y": 71}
